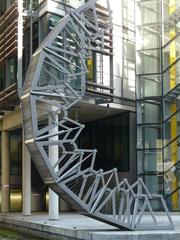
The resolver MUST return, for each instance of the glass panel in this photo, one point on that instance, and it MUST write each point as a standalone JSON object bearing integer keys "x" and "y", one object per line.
{"x": 148, "y": 12}
{"x": 169, "y": 197}
{"x": 149, "y": 161}
{"x": 116, "y": 13}
{"x": 128, "y": 14}
{"x": 11, "y": 71}
{"x": 117, "y": 66}
{"x": 53, "y": 19}
{"x": 173, "y": 71}
{"x": 129, "y": 79}
{"x": 129, "y": 51}
{"x": 129, "y": 69}
{"x": 31, "y": 4}
{"x": 168, "y": 108}
{"x": 154, "y": 183}
{"x": 149, "y": 86}
{"x": 117, "y": 86}
{"x": 47, "y": 23}
{"x": 168, "y": 129}
{"x": 149, "y": 61}
{"x": 129, "y": 88}
{"x": 148, "y": 112}
{"x": 148, "y": 37}
{"x": 171, "y": 151}
{"x": 74, "y": 3}
{"x": 2, "y": 79}
{"x": 43, "y": 27}
{"x": 149, "y": 137}
{"x": 170, "y": 22}
{"x": 128, "y": 35}
{"x": 51, "y": 74}
{"x": 171, "y": 183}
{"x": 167, "y": 52}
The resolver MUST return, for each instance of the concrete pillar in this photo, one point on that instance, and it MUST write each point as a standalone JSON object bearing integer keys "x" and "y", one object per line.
{"x": 53, "y": 155}
{"x": 5, "y": 205}
{"x": 53, "y": 205}
{"x": 26, "y": 181}
{"x": 20, "y": 47}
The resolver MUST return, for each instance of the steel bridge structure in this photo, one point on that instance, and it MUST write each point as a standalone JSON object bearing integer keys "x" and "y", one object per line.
{"x": 55, "y": 81}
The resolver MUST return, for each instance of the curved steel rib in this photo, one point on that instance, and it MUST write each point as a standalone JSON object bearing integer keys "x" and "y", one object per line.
{"x": 55, "y": 81}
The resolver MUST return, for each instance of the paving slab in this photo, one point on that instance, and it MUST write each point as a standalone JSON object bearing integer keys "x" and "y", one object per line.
{"x": 71, "y": 226}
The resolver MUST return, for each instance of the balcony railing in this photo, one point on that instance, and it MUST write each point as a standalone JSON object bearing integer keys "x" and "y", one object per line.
{"x": 8, "y": 32}
{"x": 9, "y": 98}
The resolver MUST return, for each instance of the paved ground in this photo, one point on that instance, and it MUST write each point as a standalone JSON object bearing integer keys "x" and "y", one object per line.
{"x": 75, "y": 226}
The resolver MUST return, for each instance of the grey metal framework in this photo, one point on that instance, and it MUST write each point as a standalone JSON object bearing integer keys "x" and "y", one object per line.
{"x": 55, "y": 81}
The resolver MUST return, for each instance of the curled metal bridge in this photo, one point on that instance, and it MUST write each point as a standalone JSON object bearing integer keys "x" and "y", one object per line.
{"x": 55, "y": 82}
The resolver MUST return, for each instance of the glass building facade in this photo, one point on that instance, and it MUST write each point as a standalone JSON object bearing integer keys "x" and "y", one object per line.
{"x": 157, "y": 60}
{"x": 116, "y": 73}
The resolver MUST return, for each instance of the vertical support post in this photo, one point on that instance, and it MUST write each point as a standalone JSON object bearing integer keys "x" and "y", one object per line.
{"x": 26, "y": 181}
{"x": 53, "y": 205}
{"x": 31, "y": 30}
{"x": 20, "y": 46}
{"x": 132, "y": 148}
{"x": 53, "y": 156}
{"x": 5, "y": 207}
{"x": 122, "y": 45}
